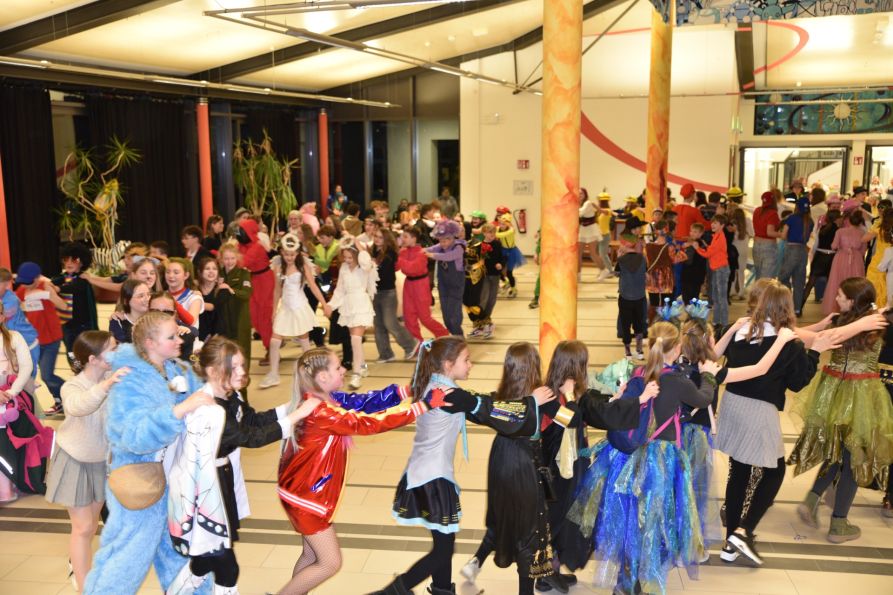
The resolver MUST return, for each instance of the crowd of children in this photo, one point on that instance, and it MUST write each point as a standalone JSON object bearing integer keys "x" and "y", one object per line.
{"x": 155, "y": 439}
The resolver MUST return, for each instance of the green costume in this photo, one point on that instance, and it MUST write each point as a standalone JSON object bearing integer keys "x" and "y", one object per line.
{"x": 233, "y": 309}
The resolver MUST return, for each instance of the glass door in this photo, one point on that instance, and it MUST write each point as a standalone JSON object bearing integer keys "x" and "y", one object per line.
{"x": 879, "y": 172}
{"x": 766, "y": 168}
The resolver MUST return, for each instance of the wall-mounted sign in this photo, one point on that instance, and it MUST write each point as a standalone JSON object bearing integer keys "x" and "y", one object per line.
{"x": 858, "y": 159}
{"x": 523, "y": 163}
{"x": 522, "y": 187}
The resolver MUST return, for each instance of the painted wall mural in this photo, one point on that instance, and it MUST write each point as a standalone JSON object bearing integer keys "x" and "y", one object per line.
{"x": 865, "y": 111}
{"x": 713, "y": 12}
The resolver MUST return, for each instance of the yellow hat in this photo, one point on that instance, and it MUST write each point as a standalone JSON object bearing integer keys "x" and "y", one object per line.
{"x": 604, "y": 196}
{"x": 632, "y": 199}
{"x": 734, "y": 192}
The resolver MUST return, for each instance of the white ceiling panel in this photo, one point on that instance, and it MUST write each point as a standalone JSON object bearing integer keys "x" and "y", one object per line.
{"x": 19, "y": 12}
{"x": 179, "y": 39}
{"x": 458, "y": 36}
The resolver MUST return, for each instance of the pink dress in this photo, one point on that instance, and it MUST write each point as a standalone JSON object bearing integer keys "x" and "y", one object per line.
{"x": 848, "y": 262}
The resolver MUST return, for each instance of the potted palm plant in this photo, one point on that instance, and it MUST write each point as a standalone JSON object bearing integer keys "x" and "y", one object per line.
{"x": 92, "y": 196}
{"x": 264, "y": 179}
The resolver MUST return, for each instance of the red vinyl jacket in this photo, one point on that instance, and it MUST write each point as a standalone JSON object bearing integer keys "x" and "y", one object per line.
{"x": 312, "y": 478}
{"x": 254, "y": 257}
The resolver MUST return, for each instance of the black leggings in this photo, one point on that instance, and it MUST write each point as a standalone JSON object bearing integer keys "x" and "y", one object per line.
{"x": 223, "y": 565}
{"x": 846, "y": 487}
{"x": 510, "y": 275}
{"x": 438, "y": 563}
{"x": 763, "y": 495}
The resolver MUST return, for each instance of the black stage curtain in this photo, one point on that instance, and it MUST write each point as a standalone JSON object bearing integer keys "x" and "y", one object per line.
{"x": 161, "y": 193}
{"x": 26, "y": 149}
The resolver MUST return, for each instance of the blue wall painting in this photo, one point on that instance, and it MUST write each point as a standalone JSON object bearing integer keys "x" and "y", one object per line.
{"x": 865, "y": 111}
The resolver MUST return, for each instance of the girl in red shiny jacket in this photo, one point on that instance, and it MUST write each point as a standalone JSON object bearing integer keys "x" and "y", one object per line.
{"x": 313, "y": 464}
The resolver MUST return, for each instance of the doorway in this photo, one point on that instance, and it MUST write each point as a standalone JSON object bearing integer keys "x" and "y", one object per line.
{"x": 448, "y": 166}
{"x": 880, "y": 171}
{"x": 764, "y": 168}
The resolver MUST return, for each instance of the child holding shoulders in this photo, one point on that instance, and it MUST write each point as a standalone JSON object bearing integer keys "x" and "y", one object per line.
{"x": 413, "y": 263}
{"x": 212, "y": 469}
{"x": 494, "y": 266}
{"x": 428, "y": 494}
{"x": 294, "y": 317}
{"x": 314, "y": 458}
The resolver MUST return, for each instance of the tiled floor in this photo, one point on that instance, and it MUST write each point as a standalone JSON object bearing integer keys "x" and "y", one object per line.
{"x": 799, "y": 561}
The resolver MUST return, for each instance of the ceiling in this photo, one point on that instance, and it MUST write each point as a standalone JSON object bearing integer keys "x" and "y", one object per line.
{"x": 176, "y": 38}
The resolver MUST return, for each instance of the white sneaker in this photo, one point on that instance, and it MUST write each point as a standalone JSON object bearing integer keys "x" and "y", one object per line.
{"x": 471, "y": 570}
{"x": 364, "y": 370}
{"x": 218, "y": 590}
{"x": 269, "y": 380}
{"x": 640, "y": 356}
{"x": 355, "y": 381}
{"x": 728, "y": 554}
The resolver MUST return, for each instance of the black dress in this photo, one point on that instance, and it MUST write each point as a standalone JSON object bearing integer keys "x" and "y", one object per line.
{"x": 568, "y": 544}
{"x": 524, "y": 485}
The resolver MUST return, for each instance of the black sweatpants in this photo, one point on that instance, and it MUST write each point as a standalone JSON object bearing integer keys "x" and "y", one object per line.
{"x": 632, "y": 313}
{"x": 763, "y": 495}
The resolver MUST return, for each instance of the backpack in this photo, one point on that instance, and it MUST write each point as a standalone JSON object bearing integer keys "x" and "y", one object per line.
{"x": 629, "y": 440}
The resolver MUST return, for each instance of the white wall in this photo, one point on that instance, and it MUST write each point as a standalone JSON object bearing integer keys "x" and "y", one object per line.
{"x": 498, "y": 129}
{"x": 428, "y": 131}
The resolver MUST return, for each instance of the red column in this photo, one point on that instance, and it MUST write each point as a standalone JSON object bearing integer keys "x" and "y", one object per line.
{"x": 324, "y": 161}
{"x": 204, "y": 158}
{"x": 4, "y": 227}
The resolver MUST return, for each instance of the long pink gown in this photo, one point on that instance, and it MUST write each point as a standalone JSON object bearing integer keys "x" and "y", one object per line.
{"x": 848, "y": 262}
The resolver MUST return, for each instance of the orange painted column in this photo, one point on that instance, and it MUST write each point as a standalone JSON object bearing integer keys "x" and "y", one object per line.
{"x": 658, "y": 143}
{"x": 204, "y": 158}
{"x": 5, "y": 259}
{"x": 562, "y": 60}
{"x": 324, "y": 162}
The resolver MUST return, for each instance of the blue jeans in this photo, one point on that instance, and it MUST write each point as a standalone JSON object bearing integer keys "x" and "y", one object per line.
{"x": 765, "y": 254}
{"x": 720, "y": 296}
{"x": 47, "y": 364}
{"x": 793, "y": 271}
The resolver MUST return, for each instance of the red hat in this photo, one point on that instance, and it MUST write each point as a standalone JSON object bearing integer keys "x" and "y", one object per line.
{"x": 502, "y": 210}
{"x": 687, "y": 190}
{"x": 768, "y": 198}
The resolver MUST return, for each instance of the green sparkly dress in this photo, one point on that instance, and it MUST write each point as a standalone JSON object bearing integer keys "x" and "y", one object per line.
{"x": 846, "y": 406}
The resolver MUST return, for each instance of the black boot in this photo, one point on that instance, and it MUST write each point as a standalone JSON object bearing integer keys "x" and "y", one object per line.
{"x": 435, "y": 591}
{"x": 395, "y": 588}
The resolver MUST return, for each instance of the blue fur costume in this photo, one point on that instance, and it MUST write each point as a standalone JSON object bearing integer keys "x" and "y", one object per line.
{"x": 140, "y": 423}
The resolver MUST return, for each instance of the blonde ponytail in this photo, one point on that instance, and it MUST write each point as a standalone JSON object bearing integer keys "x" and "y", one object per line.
{"x": 309, "y": 364}
{"x": 662, "y": 338}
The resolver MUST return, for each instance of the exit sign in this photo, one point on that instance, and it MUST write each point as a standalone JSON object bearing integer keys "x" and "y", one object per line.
{"x": 858, "y": 159}
{"x": 523, "y": 163}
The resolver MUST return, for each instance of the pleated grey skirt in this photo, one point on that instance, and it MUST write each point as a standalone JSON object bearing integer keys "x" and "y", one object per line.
{"x": 73, "y": 484}
{"x": 749, "y": 431}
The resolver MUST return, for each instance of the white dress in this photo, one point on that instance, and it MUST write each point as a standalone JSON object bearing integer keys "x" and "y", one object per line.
{"x": 589, "y": 233}
{"x": 294, "y": 317}
{"x": 353, "y": 294}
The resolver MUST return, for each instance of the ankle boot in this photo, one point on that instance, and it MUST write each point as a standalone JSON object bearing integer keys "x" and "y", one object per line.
{"x": 436, "y": 591}
{"x": 395, "y": 588}
{"x": 842, "y": 531}
{"x": 809, "y": 510}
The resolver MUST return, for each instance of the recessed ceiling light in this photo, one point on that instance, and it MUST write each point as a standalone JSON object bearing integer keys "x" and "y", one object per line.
{"x": 451, "y": 38}
{"x": 799, "y": 84}
{"x": 480, "y": 32}
{"x": 427, "y": 44}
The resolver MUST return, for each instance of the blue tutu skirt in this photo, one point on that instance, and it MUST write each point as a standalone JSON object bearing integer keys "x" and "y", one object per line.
{"x": 641, "y": 514}
{"x": 513, "y": 258}
{"x": 697, "y": 442}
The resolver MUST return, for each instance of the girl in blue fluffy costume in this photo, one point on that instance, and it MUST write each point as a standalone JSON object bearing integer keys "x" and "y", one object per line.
{"x": 145, "y": 414}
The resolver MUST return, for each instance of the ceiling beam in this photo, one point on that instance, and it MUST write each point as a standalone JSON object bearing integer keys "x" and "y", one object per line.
{"x": 422, "y": 18}
{"x": 526, "y": 40}
{"x": 71, "y": 22}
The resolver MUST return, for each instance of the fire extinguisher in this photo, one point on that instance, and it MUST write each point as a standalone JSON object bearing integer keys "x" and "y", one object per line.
{"x": 521, "y": 220}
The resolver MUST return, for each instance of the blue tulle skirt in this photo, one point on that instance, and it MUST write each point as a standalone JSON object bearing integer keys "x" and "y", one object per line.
{"x": 641, "y": 514}
{"x": 697, "y": 442}
{"x": 513, "y": 258}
